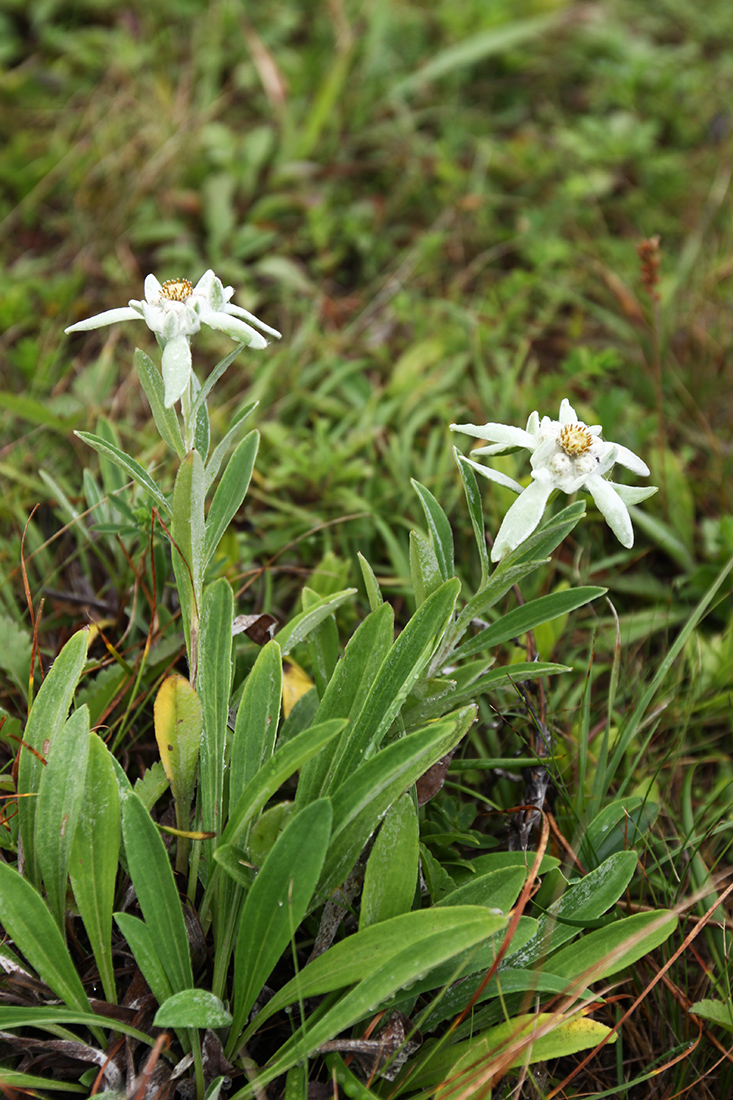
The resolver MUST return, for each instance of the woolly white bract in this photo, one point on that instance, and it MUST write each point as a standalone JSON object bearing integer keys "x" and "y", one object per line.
{"x": 175, "y": 311}
{"x": 565, "y": 454}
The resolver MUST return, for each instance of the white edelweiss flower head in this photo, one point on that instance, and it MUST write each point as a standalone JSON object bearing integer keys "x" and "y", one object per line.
{"x": 565, "y": 454}
{"x": 175, "y": 311}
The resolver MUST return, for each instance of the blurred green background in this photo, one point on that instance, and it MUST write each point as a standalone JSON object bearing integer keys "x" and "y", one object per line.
{"x": 438, "y": 204}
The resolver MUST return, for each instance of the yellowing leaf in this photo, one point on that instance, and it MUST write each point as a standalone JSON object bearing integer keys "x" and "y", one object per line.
{"x": 178, "y": 724}
{"x": 296, "y": 684}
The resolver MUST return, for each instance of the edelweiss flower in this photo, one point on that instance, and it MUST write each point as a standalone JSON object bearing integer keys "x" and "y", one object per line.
{"x": 175, "y": 311}
{"x": 565, "y": 454}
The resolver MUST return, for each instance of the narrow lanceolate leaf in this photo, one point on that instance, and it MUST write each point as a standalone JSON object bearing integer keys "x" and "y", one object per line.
{"x": 381, "y": 983}
{"x": 527, "y": 617}
{"x": 439, "y": 527}
{"x": 230, "y": 492}
{"x": 475, "y": 510}
{"x": 356, "y": 957}
{"x": 424, "y": 568}
{"x": 348, "y": 689}
{"x": 166, "y": 420}
{"x": 129, "y": 465}
{"x": 362, "y": 800}
{"x": 217, "y": 455}
{"x": 26, "y": 919}
{"x": 214, "y": 683}
{"x": 401, "y": 667}
{"x": 155, "y": 886}
{"x": 188, "y": 534}
{"x": 391, "y": 871}
{"x": 60, "y": 795}
{"x": 47, "y": 716}
{"x": 140, "y": 942}
{"x": 256, "y": 726}
{"x": 298, "y": 629}
{"x": 281, "y": 765}
{"x": 94, "y": 858}
{"x": 276, "y": 905}
{"x": 618, "y": 945}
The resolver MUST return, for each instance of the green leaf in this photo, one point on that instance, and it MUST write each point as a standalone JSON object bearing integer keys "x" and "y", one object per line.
{"x": 157, "y": 895}
{"x": 716, "y": 1012}
{"x": 138, "y": 937}
{"x": 60, "y": 795}
{"x": 94, "y": 858}
{"x": 47, "y": 716}
{"x": 475, "y": 511}
{"x": 192, "y": 1008}
{"x": 323, "y": 644}
{"x": 348, "y": 689}
{"x": 424, "y": 568}
{"x": 391, "y": 871}
{"x": 166, "y": 420}
{"x": 255, "y": 728}
{"x": 439, "y": 527}
{"x": 362, "y": 800}
{"x": 374, "y": 593}
{"x": 282, "y": 764}
{"x": 381, "y": 982}
{"x": 621, "y": 824}
{"x": 230, "y": 492}
{"x": 586, "y": 900}
{"x": 15, "y": 1079}
{"x": 25, "y": 918}
{"x": 217, "y": 456}
{"x": 527, "y": 617}
{"x": 401, "y": 667}
{"x": 214, "y": 377}
{"x": 298, "y": 629}
{"x": 276, "y": 905}
{"x": 129, "y": 465}
{"x": 618, "y": 945}
{"x": 50, "y": 1017}
{"x": 352, "y": 959}
{"x": 214, "y": 686}
{"x": 188, "y": 553}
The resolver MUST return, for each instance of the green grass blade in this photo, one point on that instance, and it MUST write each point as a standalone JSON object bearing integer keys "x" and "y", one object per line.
{"x": 60, "y": 795}
{"x": 631, "y": 727}
{"x": 138, "y": 937}
{"x": 94, "y": 858}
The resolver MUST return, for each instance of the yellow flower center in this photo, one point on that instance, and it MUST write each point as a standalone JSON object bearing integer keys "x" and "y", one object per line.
{"x": 176, "y": 290}
{"x": 575, "y": 439}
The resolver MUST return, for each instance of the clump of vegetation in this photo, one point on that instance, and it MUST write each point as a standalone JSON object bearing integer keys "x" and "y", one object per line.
{"x": 316, "y": 778}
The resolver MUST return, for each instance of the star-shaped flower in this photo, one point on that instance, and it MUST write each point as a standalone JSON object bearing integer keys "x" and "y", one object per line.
{"x": 175, "y": 311}
{"x": 566, "y": 454}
